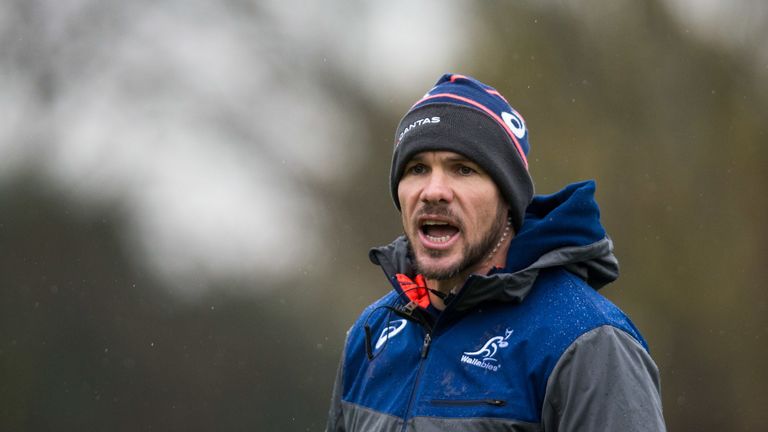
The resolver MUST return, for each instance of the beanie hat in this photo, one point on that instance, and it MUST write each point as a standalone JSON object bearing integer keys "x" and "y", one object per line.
{"x": 462, "y": 115}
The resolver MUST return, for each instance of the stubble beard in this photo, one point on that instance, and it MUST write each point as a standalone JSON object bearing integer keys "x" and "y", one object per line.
{"x": 472, "y": 254}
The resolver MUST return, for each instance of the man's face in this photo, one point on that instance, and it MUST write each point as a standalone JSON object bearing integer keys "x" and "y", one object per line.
{"x": 453, "y": 213}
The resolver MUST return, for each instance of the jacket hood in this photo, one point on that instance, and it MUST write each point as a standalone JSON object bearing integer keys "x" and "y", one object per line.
{"x": 559, "y": 230}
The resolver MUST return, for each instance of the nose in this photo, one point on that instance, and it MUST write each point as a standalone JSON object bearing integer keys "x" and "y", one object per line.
{"x": 436, "y": 188}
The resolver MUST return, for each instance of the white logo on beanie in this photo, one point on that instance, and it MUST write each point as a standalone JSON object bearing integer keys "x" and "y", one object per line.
{"x": 419, "y": 122}
{"x": 515, "y": 123}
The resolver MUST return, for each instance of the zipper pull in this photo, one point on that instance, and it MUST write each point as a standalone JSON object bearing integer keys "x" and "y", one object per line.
{"x": 425, "y": 347}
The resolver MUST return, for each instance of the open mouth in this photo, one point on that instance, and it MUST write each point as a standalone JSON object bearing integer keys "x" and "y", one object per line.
{"x": 437, "y": 232}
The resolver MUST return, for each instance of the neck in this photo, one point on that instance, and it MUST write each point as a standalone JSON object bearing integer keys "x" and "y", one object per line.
{"x": 497, "y": 258}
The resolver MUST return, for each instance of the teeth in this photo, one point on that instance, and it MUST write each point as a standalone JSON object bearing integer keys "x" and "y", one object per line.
{"x": 431, "y": 222}
{"x": 442, "y": 239}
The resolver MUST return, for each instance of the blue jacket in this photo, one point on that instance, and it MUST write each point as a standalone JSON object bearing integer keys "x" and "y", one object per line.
{"x": 531, "y": 347}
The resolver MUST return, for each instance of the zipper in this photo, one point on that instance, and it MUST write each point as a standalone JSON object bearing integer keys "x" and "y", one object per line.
{"x": 424, "y": 352}
{"x": 425, "y": 346}
{"x": 428, "y": 330}
{"x": 468, "y": 402}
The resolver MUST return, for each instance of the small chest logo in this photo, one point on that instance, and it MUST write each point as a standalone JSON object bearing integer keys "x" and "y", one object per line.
{"x": 390, "y": 331}
{"x": 485, "y": 357}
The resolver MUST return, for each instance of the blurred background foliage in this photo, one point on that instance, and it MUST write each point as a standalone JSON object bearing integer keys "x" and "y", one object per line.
{"x": 188, "y": 192}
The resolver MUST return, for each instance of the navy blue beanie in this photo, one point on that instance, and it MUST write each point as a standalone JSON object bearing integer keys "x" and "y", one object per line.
{"x": 463, "y": 115}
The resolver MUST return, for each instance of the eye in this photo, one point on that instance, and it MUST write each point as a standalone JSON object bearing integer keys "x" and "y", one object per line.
{"x": 416, "y": 169}
{"x": 465, "y": 170}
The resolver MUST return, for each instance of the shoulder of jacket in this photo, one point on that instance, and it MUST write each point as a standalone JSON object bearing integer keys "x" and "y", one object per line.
{"x": 562, "y": 307}
{"x": 562, "y": 291}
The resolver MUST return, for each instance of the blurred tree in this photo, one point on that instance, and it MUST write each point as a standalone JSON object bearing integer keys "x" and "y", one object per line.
{"x": 90, "y": 342}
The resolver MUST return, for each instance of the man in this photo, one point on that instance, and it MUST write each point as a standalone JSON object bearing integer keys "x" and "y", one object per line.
{"x": 494, "y": 322}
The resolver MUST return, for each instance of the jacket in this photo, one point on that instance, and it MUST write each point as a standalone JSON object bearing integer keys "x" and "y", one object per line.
{"x": 530, "y": 347}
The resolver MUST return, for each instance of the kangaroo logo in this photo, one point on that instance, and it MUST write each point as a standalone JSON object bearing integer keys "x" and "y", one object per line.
{"x": 394, "y": 327}
{"x": 488, "y": 351}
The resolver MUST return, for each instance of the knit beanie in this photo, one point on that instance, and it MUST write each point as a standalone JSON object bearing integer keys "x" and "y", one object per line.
{"x": 462, "y": 115}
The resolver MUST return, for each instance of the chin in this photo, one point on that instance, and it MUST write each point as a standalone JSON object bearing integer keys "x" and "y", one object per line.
{"x": 440, "y": 268}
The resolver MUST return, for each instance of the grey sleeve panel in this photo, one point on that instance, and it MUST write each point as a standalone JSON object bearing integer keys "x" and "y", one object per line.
{"x": 604, "y": 381}
{"x": 335, "y": 413}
